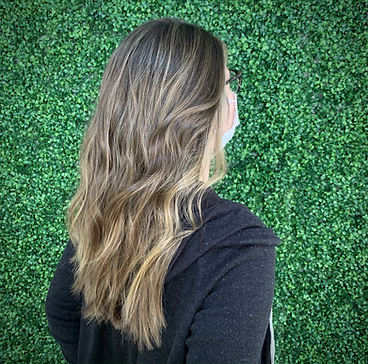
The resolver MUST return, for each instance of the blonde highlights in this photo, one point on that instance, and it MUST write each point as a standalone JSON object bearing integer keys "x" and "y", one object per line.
{"x": 161, "y": 99}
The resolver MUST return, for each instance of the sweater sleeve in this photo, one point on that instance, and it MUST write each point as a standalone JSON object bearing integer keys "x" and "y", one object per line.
{"x": 232, "y": 323}
{"x": 63, "y": 308}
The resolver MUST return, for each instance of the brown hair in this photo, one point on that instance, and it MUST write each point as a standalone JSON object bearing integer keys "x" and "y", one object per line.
{"x": 162, "y": 98}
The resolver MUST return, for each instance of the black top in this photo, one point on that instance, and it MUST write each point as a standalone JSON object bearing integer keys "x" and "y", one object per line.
{"x": 217, "y": 298}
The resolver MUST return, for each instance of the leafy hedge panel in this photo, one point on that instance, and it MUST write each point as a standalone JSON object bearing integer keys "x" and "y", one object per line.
{"x": 299, "y": 160}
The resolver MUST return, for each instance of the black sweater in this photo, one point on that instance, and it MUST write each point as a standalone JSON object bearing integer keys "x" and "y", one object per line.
{"x": 217, "y": 298}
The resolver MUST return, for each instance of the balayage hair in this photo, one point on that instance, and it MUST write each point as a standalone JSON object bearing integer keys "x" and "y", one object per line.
{"x": 162, "y": 98}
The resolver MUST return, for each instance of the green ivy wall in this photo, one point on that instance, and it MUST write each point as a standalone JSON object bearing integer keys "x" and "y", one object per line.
{"x": 299, "y": 160}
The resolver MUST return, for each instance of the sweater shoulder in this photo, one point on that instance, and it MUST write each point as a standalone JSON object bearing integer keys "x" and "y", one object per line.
{"x": 226, "y": 224}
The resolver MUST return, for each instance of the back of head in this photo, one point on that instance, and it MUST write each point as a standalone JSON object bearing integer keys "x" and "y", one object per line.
{"x": 162, "y": 98}
{"x": 159, "y": 97}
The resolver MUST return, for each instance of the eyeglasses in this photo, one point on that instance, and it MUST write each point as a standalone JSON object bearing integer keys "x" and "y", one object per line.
{"x": 235, "y": 80}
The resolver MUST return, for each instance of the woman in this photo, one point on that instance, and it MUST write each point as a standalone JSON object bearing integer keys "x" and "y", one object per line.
{"x": 159, "y": 269}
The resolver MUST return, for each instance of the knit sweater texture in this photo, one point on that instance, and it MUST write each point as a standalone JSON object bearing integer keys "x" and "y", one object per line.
{"x": 218, "y": 297}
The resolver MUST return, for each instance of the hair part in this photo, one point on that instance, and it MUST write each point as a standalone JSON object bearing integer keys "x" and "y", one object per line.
{"x": 161, "y": 99}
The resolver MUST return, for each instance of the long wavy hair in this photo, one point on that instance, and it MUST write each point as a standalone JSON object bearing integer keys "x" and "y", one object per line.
{"x": 162, "y": 99}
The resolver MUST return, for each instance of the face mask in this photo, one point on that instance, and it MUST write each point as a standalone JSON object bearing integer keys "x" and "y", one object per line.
{"x": 229, "y": 133}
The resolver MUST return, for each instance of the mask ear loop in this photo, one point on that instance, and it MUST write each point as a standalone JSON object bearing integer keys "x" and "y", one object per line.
{"x": 230, "y": 133}
{"x": 236, "y": 116}
{"x": 235, "y": 121}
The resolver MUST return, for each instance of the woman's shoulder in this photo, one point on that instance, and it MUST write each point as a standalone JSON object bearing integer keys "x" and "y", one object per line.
{"x": 226, "y": 218}
{"x": 228, "y": 228}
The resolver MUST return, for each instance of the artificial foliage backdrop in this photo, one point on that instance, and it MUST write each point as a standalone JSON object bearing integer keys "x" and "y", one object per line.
{"x": 299, "y": 159}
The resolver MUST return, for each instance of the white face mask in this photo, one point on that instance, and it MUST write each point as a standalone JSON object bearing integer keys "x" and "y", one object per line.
{"x": 229, "y": 133}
